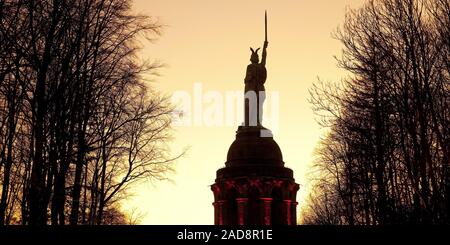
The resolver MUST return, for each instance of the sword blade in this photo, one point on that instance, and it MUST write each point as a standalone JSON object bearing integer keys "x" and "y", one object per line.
{"x": 265, "y": 22}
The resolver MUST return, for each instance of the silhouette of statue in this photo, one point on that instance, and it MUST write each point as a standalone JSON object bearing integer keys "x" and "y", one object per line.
{"x": 254, "y": 85}
{"x": 254, "y": 88}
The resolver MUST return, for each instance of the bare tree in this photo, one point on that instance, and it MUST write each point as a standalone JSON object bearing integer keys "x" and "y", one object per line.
{"x": 78, "y": 123}
{"x": 388, "y": 121}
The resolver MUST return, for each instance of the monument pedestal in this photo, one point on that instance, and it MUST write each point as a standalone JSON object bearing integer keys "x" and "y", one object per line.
{"x": 254, "y": 187}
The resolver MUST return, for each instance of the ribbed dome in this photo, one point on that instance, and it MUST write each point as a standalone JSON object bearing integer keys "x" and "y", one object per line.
{"x": 249, "y": 148}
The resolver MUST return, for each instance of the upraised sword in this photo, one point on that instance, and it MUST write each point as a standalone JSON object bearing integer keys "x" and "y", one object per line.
{"x": 265, "y": 22}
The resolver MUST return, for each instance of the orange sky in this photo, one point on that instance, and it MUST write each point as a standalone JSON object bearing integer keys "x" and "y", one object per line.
{"x": 207, "y": 42}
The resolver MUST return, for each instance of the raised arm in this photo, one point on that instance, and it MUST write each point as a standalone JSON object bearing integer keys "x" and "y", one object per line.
{"x": 264, "y": 54}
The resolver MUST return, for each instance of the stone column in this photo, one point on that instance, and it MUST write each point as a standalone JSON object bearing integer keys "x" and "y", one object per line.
{"x": 288, "y": 209}
{"x": 294, "y": 213}
{"x": 267, "y": 210}
{"x": 242, "y": 210}
{"x": 218, "y": 212}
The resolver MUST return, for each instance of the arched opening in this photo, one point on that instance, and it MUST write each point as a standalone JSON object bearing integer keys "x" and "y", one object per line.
{"x": 231, "y": 208}
{"x": 255, "y": 216}
{"x": 277, "y": 207}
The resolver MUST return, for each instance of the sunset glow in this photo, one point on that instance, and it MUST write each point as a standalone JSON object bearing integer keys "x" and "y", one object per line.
{"x": 206, "y": 43}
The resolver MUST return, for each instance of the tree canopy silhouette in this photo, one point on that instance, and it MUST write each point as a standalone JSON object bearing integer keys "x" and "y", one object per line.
{"x": 78, "y": 123}
{"x": 385, "y": 158}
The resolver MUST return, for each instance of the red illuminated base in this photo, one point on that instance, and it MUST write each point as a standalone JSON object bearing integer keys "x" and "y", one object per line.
{"x": 254, "y": 188}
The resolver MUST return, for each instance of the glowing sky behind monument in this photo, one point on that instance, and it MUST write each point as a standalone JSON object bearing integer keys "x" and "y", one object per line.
{"x": 207, "y": 43}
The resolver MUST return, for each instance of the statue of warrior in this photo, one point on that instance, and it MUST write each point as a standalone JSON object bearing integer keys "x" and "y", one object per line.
{"x": 254, "y": 87}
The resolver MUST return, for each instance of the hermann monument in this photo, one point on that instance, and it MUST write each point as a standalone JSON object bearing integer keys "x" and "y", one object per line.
{"x": 254, "y": 187}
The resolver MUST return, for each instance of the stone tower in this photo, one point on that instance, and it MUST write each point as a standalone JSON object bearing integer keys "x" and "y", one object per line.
{"x": 254, "y": 187}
